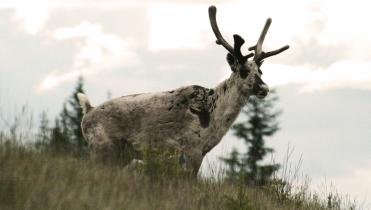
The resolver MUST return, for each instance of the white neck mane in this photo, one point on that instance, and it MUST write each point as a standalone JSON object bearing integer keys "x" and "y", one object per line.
{"x": 229, "y": 99}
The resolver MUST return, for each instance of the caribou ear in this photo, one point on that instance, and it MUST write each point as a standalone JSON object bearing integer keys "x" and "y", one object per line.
{"x": 231, "y": 61}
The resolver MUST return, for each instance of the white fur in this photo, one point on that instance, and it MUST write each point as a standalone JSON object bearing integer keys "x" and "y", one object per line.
{"x": 84, "y": 103}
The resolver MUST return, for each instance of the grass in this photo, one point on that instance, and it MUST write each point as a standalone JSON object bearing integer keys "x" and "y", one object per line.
{"x": 34, "y": 180}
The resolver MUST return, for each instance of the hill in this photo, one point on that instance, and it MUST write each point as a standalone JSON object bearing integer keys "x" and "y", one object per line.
{"x": 31, "y": 179}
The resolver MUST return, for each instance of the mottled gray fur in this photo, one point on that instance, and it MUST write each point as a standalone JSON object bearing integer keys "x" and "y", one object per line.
{"x": 191, "y": 120}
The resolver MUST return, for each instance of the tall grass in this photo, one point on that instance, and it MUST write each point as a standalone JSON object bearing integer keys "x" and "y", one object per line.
{"x": 33, "y": 180}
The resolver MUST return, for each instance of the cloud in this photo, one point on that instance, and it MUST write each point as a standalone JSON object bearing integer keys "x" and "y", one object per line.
{"x": 97, "y": 51}
{"x": 32, "y": 17}
{"x": 74, "y": 3}
{"x": 314, "y": 61}
{"x": 172, "y": 26}
{"x": 356, "y": 184}
{"x": 53, "y": 79}
{"x": 186, "y": 26}
{"x": 354, "y": 74}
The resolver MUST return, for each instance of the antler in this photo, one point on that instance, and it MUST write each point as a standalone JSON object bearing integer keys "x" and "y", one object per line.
{"x": 238, "y": 41}
{"x": 259, "y": 53}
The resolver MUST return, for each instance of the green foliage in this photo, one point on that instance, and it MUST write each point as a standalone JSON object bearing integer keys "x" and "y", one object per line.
{"x": 261, "y": 122}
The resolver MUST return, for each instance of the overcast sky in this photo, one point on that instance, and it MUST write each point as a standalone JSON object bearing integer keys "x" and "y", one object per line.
{"x": 323, "y": 80}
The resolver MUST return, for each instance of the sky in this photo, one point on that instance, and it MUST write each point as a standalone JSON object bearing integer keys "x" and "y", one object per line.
{"x": 127, "y": 47}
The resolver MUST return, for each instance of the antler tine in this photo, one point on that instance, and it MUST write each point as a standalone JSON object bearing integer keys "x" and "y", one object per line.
{"x": 274, "y": 52}
{"x": 258, "y": 47}
{"x": 220, "y": 40}
{"x": 259, "y": 53}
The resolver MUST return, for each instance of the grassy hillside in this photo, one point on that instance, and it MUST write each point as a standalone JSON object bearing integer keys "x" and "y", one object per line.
{"x": 35, "y": 180}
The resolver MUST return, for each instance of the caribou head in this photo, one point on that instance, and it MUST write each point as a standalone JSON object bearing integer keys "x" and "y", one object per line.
{"x": 248, "y": 70}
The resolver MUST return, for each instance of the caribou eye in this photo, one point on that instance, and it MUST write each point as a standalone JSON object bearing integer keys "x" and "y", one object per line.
{"x": 260, "y": 71}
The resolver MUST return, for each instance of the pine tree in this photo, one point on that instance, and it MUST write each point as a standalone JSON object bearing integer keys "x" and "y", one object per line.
{"x": 234, "y": 165}
{"x": 59, "y": 141}
{"x": 68, "y": 126}
{"x": 52, "y": 139}
{"x": 75, "y": 115}
{"x": 44, "y": 133}
{"x": 261, "y": 122}
{"x": 62, "y": 123}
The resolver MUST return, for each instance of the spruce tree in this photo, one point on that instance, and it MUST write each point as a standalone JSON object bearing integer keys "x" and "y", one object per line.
{"x": 234, "y": 165}
{"x": 44, "y": 133}
{"x": 261, "y": 122}
{"x": 75, "y": 115}
{"x": 53, "y": 139}
{"x": 59, "y": 142}
{"x": 68, "y": 126}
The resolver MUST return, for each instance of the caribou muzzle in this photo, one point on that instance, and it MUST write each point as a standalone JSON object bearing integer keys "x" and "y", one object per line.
{"x": 262, "y": 92}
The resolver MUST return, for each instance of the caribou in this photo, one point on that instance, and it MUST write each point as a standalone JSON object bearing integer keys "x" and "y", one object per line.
{"x": 191, "y": 120}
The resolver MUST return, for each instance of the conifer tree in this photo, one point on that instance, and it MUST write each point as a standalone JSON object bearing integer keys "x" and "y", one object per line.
{"x": 52, "y": 139}
{"x": 234, "y": 164}
{"x": 44, "y": 133}
{"x": 59, "y": 141}
{"x": 75, "y": 115}
{"x": 261, "y": 122}
{"x": 68, "y": 126}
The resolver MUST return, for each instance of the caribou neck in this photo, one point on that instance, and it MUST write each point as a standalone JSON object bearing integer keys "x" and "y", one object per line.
{"x": 230, "y": 98}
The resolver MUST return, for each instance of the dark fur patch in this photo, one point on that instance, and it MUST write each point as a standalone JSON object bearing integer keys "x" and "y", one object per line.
{"x": 231, "y": 61}
{"x": 199, "y": 101}
{"x": 211, "y": 92}
{"x": 203, "y": 116}
{"x": 225, "y": 87}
